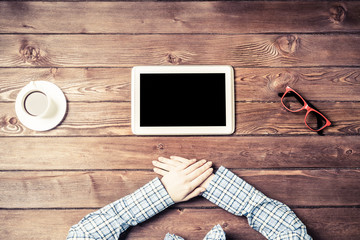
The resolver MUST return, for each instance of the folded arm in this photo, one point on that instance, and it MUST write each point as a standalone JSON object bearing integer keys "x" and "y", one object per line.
{"x": 179, "y": 183}
{"x": 112, "y": 220}
{"x": 271, "y": 218}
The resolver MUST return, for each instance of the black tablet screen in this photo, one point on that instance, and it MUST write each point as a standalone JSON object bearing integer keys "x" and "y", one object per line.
{"x": 182, "y": 99}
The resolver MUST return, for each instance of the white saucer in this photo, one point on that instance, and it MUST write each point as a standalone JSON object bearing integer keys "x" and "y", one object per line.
{"x": 58, "y": 109}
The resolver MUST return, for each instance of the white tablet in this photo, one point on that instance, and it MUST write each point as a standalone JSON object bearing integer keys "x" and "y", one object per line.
{"x": 183, "y": 100}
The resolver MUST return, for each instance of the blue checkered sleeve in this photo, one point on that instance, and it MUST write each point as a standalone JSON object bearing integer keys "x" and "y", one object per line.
{"x": 216, "y": 233}
{"x": 112, "y": 220}
{"x": 271, "y": 218}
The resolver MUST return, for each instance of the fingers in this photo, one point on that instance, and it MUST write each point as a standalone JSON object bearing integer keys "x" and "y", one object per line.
{"x": 162, "y": 166}
{"x": 183, "y": 166}
{"x": 194, "y": 173}
{"x": 173, "y": 163}
{"x": 182, "y": 178}
{"x": 194, "y": 166}
{"x": 184, "y": 162}
{"x": 170, "y": 162}
{"x": 195, "y": 193}
{"x": 202, "y": 177}
{"x": 180, "y": 159}
{"x": 160, "y": 171}
{"x": 198, "y": 171}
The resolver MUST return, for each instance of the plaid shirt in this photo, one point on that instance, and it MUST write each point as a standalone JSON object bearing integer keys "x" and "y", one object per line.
{"x": 271, "y": 218}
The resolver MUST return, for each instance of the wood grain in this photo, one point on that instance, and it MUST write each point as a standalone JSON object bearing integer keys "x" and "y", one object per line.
{"x": 255, "y": 50}
{"x": 50, "y": 180}
{"x": 78, "y": 84}
{"x": 94, "y": 189}
{"x": 272, "y": 118}
{"x": 252, "y": 118}
{"x": 179, "y": 17}
{"x": 251, "y": 84}
{"x": 188, "y": 223}
{"x": 137, "y": 152}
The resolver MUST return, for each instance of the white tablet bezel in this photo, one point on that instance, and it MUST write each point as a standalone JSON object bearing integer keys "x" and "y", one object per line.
{"x": 196, "y": 130}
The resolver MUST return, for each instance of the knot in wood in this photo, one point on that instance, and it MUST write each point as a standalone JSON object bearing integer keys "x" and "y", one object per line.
{"x": 10, "y": 125}
{"x": 288, "y": 44}
{"x": 180, "y": 210}
{"x": 13, "y": 121}
{"x": 160, "y": 146}
{"x": 53, "y": 71}
{"x": 278, "y": 82}
{"x": 173, "y": 59}
{"x": 349, "y": 151}
{"x": 337, "y": 14}
{"x": 29, "y": 53}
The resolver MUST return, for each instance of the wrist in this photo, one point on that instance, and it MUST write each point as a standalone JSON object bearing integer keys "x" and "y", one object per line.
{"x": 206, "y": 183}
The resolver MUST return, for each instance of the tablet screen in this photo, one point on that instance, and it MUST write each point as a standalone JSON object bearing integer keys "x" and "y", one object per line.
{"x": 182, "y": 99}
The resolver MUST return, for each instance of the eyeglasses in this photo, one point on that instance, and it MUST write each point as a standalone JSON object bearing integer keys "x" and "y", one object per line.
{"x": 293, "y": 102}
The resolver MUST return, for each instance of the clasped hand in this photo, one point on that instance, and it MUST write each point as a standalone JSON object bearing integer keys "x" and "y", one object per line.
{"x": 182, "y": 178}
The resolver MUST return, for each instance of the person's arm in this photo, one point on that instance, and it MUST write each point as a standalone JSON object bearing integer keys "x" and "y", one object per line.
{"x": 112, "y": 220}
{"x": 271, "y": 218}
{"x": 180, "y": 184}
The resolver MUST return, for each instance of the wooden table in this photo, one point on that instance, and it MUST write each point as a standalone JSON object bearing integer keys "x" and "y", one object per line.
{"x": 50, "y": 180}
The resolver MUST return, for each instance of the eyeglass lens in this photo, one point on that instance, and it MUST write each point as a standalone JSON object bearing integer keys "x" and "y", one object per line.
{"x": 315, "y": 121}
{"x": 292, "y": 101}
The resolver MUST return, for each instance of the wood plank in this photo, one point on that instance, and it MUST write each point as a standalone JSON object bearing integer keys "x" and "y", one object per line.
{"x": 255, "y": 50}
{"x": 251, "y": 84}
{"x": 113, "y": 119}
{"x": 331, "y": 223}
{"x": 252, "y": 118}
{"x": 179, "y": 17}
{"x": 78, "y": 84}
{"x": 315, "y": 84}
{"x": 137, "y": 152}
{"x": 94, "y": 189}
{"x": 272, "y": 118}
{"x": 68, "y": 189}
{"x": 341, "y": 223}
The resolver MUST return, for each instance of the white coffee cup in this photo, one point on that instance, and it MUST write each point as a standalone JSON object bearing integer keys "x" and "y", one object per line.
{"x": 40, "y": 105}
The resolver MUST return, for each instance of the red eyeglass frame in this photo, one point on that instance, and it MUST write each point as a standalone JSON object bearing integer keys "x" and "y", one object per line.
{"x": 307, "y": 108}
